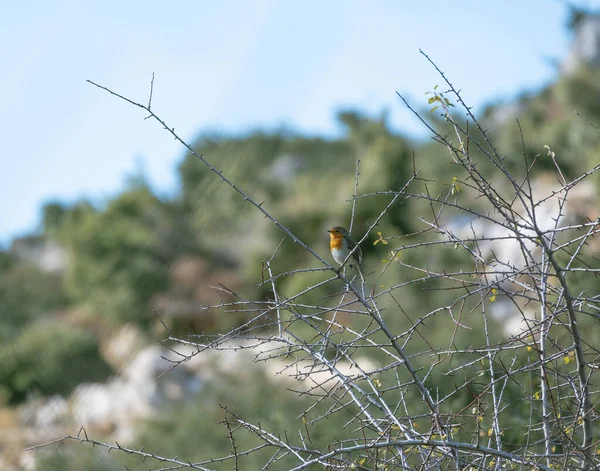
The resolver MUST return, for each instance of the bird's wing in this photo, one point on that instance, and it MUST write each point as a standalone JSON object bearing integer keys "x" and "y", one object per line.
{"x": 357, "y": 254}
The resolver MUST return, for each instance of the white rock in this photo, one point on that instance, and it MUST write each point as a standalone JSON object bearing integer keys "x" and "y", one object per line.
{"x": 137, "y": 393}
{"x": 585, "y": 49}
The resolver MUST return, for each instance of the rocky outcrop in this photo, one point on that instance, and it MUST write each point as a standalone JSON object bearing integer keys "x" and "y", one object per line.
{"x": 150, "y": 382}
{"x": 556, "y": 209}
{"x": 47, "y": 255}
{"x": 585, "y": 48}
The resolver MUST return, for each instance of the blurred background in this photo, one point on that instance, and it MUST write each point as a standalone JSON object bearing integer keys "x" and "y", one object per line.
{"x": 105, "y": 221}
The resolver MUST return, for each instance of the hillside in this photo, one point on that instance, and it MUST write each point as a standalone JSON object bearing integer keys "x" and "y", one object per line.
{"x": 90, "y": 306}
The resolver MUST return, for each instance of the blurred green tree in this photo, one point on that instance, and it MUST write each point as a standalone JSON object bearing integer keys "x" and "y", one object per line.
{"x": 26, "y": 293}
{"x": 119, "y": 256}
{"x": 49, "y": 357}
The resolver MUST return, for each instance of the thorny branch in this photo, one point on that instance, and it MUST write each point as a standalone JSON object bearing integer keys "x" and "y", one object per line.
{"x": 395, "y": 418}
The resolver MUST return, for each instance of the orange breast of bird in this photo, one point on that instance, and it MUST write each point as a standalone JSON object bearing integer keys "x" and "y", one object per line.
{"x": 336, "y": 241}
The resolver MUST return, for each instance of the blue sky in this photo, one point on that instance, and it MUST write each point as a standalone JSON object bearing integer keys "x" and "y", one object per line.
{"x": 233, "y": 66}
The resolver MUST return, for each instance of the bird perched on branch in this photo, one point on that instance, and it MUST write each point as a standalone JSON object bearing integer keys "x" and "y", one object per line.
{"x": 341, "y": 244}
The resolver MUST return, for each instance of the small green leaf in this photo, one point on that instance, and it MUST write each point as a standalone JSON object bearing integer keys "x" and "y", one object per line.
{"x": 380, "y": 239}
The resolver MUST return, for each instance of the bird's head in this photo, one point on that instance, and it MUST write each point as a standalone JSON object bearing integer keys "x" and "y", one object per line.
{"x": 337, "y": 231}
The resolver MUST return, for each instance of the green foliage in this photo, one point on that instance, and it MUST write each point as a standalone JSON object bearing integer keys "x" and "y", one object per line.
{"x": 267, "y": 166}
{"x": 562, "y": 117}
{"x": 119, "y": 256}
{"x": 6, "y": 261}
{"x": 306, "y": 183}
{"x": 77, "y": 459}
{"x": 52, "y": 216}
{"x": 26, "y": 293}
{"x": 49, "y": 358}
{"x": 438, "y": 99}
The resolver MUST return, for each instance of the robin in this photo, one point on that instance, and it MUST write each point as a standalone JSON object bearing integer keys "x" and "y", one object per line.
{"x": 341, "y": 244}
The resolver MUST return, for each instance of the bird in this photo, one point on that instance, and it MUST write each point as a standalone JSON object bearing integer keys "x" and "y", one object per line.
{"x": 341, "y": 244}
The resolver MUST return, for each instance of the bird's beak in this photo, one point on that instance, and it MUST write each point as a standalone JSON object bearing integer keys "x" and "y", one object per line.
{"x": 329, "y": 230}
